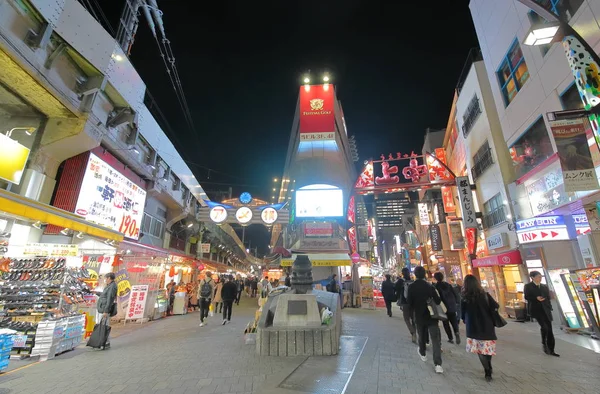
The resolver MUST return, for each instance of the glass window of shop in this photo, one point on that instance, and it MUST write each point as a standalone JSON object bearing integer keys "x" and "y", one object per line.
{"x": 512, "y": 73}
{"x": 532, "y": 148}
{"x": 19, "y": 131}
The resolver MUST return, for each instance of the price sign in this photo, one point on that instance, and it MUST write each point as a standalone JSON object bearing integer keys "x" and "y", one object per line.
{"x": 137, "y": 302}
{"x": 19, "y": 340}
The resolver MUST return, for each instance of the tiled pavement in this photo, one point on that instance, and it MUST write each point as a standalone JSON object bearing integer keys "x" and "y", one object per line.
{"x": 174, "y": 355}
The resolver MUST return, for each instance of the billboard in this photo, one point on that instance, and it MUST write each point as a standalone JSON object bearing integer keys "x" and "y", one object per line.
{"x": 319, "y": 201}
{"x": 110, "y": 199}
{"x": 13, "y": 157}
{"x": 317, "y": 117}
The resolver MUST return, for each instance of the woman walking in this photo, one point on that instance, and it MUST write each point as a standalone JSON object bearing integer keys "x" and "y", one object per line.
{"x": 476, "y": 309}
{"x": 218, "y": 300}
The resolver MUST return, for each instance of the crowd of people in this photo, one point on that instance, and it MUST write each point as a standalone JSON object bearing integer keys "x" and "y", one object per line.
{"x": 424, "y": 303}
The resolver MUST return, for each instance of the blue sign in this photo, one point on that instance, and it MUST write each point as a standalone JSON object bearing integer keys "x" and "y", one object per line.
{"x": 540, "y": 223}
{"x": 580, "y": 220}
{"x": 245, "y": 198}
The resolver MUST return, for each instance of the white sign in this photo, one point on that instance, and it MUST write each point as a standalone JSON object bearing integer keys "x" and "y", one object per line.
{"x": 57, "y": 250}
{"x": 551, "y": 234}
{"x": 243, "y": 215}
{"x": 137, "y": 302}
{"x": 269, "y": 215}
{"x": 19, "y": 341}
{"x": 467, "y": 206}
{"x": 218, "y": 214}
{"x": 318, "y": 229}
{"x": 497, "y": 241}
{"x": 205, "y": 248}
{"x": 424, "y": 214}
{"x": 110, "y": 199}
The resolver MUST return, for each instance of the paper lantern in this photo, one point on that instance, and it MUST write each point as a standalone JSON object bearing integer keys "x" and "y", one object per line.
{"x": 172, "y": 271}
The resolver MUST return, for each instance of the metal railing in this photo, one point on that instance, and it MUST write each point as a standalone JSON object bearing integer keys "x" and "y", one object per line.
{"x": 494, "y": 218}
{"x": 483, "y": 162}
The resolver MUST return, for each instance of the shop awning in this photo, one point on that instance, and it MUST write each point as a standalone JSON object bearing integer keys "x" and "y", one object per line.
{"x": 508, "y": 258}
{"x": 322, "y": 260}
{"x": 26, "y": 208}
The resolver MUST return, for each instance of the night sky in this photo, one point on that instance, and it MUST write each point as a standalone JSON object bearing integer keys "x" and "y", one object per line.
{"x": 394, "y": 64}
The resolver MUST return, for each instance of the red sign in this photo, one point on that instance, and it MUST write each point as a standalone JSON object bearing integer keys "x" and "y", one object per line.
{"x": 351, "y": 216}
{"x": 470, "y": 234}
{"x": 448, "y": 199}
{"x": 317, "y": 118}
{"x": 551, "y": 234}
{"x": 319, "y": 229}
{"x": 508, "y": 258}
{"x": 352, "y": 239}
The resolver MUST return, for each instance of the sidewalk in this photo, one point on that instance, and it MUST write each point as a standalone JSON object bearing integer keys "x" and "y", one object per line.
{"x": 174, "y": 355}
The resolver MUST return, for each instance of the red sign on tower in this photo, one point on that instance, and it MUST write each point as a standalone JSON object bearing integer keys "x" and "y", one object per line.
{"x": 317, "y": 117}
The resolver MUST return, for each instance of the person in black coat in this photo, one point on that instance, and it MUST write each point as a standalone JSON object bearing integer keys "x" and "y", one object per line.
{"x": 476, "y": 313}
{"x": 409, "y": 318}
{"x": 537, "y": 295}
{"x": 448, "y": 296}
{"x": 388, "y": 291}
{"x": 418, "y": 294}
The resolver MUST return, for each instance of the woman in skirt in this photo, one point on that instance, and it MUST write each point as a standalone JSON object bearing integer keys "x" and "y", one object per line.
{"x": 476, "y": 307}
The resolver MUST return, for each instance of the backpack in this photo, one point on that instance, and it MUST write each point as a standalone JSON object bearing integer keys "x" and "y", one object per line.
{"x": 206, "y": 289}
{"x": 406, "y": 284}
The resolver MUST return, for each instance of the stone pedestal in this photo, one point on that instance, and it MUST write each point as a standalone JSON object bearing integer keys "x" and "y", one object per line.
{"x": 297, "y": 311}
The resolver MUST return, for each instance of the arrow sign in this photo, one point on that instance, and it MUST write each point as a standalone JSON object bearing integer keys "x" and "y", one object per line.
{"x": 543, "y": 234}
{"x": 534, "y": 235}
{"x": 554, "y": 233}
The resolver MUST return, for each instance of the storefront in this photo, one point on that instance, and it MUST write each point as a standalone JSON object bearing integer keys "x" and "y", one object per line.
{"x": 503, "y": 276}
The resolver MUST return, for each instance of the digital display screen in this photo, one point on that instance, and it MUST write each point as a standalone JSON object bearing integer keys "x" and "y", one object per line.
{"x": 311, "y": 203}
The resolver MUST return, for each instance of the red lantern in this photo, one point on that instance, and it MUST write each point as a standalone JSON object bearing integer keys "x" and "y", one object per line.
{"x": 172, "y": 271}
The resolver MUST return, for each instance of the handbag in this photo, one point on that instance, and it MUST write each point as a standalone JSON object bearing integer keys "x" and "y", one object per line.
{"x": 437, "y": 311}
{"x": 113, "y": 310}
{"x": 496, "y": 318}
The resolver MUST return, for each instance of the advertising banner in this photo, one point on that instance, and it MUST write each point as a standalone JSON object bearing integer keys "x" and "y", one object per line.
{"x": 56, "y": 250}
{"x": 455, "y": 232}
{"x": 13, "y": 157}
{"x": 205, "y": 248}
{"x": 317, "y": 118}
{"x": 318, "y": 229}
{"x": 436, "y": 237}
{"x": 351, "y": 214}
{"x": 465, "y": 196}
{"x": 424, "y": 214}
{"x": 352, "y": 241}
{"x": 448, "y": 199}
{"x": 110, "y": 199}
{"x": 574, "y": 154}
{"x": 508, "y": 258}
{"x": 137, "y": 302}
{"x": 367, "y": 297}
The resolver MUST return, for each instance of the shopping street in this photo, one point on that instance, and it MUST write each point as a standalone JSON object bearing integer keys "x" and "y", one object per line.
{"x": 175, "y": 355}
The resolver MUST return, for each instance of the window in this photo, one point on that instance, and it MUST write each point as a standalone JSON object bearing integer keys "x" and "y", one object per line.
{"x": 512, "y": 73}
{"x": 152, "y": 226}
{"x": 531, "y": 149}
{"x": 482, "y": 160}
{"x": 570, "y": 99}
{"x": 535, "y": 19}
{"x": 494, "y": 212}
{"x": 471, "y": 114}
{"x": 566, "y": 8}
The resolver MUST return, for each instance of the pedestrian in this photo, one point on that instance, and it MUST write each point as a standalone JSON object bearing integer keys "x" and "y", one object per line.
{"x": 229, "y": 293}
{"x": 288, "y": 279}
{"x": 537, "y": 295}
{"x": 402, "y": 286}
{"x": 240, "y": 288}
{"x": 388, "y": 291}
{"x": 218, "y": 300}
{"x": 171, "y": 287}
{"x": 419, "y": 293}
{"x": 449, "y": 298}
{"x": 254, "y": 287}
{"x": 265, "y": 287}
{"x": 333, "y": 286}
{"x": 107, "y": 303}
{"x": 206, "y": 289}
{"x": 457, "y": 295}
{"x": 477, "y": 307}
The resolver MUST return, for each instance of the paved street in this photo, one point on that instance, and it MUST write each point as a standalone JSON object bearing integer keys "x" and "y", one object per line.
{"x": 174, "y": 355}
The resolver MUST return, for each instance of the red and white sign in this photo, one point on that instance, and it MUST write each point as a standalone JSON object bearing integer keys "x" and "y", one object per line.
{"x": 508, "y": 258}
{"x": 318, "y": 229}
{"x": 110, "y": 199}
{"x": 551, "y": 234}
{"x": 317, "y": 118}
{"x": 137, "y": 302}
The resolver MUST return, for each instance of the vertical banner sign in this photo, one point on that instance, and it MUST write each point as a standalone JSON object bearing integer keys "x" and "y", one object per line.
{"x": 574, "y": 154}
{"x": 352, "y": 239}
{"x": 351, "y": 214}
{"x": 448, "y": 199}
{"x": 137, "y": 303}
{"x": 436, "y": 237}
{"x": 455, "y": 232}
{"x": 424, "y": 214}
{"x": 317, "y": 118}
{"x": 465, "y": 197}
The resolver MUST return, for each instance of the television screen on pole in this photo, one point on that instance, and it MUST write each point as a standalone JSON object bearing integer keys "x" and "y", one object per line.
{"x": 319, "y": 201}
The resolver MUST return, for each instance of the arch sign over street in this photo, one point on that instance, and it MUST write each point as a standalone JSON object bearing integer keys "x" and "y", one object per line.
{"x": 244, "y": 211}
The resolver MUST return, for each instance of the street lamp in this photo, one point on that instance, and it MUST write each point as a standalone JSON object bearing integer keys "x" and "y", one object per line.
{"x": 325, "y": 78}
{"x": 306, "y": 80}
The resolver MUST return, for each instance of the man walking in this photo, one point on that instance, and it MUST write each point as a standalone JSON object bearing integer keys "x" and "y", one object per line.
{"x": 205, "y": 294}
{"x": 449, "y": 297}
{"x": 228, "y": 294}
{"x": 240, "y": 288}
{"x": 107, "y": 303}
{"x": 402, "y": 286}
{"x": 388, "y": 292}
{"x": 418, "y": 294}
{"x": 537, "y": 295}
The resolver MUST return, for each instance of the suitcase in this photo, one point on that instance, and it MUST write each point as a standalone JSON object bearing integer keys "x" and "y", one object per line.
{"x": 99, "y": 335}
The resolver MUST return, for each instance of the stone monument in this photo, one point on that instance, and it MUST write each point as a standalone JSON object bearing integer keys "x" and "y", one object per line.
{"x": 290, "y": 324}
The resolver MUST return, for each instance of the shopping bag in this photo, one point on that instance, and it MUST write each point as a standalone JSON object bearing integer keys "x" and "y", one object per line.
{"x": 437, "y": 311}
{"x": 211, "y": 310}
{"x": 99, "y": 335}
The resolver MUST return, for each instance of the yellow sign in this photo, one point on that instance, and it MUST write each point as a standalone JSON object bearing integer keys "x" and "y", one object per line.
{"x": 13, "y": 157}
{"x": 320, "y": 263}
{"x": 56, "y": 250}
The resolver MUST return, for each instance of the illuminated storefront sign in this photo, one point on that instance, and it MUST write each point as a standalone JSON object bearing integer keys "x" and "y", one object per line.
{"x": 424, "y": 214}
{"x": 110, "y": 199}
{"x": 546, "y": 228}
{"x": 13, "y": 157}
{"x": 508, "y": 258}
{"x": 465, "y": 196}
{"x": 317, "y": 118}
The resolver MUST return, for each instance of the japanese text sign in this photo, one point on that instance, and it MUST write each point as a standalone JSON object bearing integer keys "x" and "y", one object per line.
{"x": 137, "y": 302}
{"x": 424, "y": 214}
{"x": 110, "y": 199}
{"x": 465, "y": 196}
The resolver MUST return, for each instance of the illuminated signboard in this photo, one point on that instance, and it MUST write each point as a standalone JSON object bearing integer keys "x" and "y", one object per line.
{"x": 269, "y": 216}
{"x": 243, "y": 215}
{"x": 218, "y": 214}
{"x": 13, "y": 157}
{"x": 110, "y": 199}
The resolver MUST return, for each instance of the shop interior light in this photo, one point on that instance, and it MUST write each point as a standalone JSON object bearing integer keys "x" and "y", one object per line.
{"x": 80, "y": 235}
{"x": 37, "y": 225}
{"x": 65, "y": 231}
{"x": 541, "y": 34}
{"x": 27, "y": 130}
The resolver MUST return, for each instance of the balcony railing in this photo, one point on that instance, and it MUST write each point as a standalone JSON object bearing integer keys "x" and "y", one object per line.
{"x": 470, "y": 116}
{"x": 494, "y": 218}
{"x": 483, "y": 162}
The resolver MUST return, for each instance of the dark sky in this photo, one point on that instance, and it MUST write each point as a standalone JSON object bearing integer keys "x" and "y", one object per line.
{"x": 394, "y": 63}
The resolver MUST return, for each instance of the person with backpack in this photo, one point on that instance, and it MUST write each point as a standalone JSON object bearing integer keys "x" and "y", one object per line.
{"x": 205, "y": 294}
{"x": 402, "y": 292}
{"x": 449, "y": 297}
